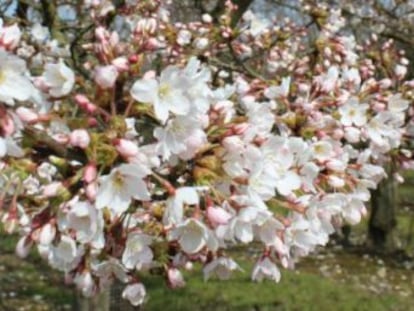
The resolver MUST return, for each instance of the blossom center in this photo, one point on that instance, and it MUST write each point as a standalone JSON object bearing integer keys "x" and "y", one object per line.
{"x": 118, "y": 181}
{"x": 164, "y": 90}
{"x": 2, "y": 76}
{"x": 135, "y": 247}
{"x": 177, "y": 128}
{"x": 83, "y": 222}
{"x": 319, "y": 149}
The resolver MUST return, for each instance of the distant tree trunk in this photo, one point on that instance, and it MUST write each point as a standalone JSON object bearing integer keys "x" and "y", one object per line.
{"x": 117, "y": 303}
{"x": 382, "y": 220}
{"x": 109, "y": 300}
{"x": 97, "y": 303}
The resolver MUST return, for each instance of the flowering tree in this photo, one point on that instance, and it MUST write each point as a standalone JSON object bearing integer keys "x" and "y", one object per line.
{"x": 386, "y": 20}
{"x": 130, "y": 142}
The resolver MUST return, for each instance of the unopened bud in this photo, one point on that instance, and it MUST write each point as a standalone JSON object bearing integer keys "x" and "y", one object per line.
{"x": 47, "y": 234}
{"x": 90, "y": 173}
{"x": 79, "y": 138}
{"x": 26, "y": 114}
{"x": 127, "y": 148}
{"x": 23, "y": 247}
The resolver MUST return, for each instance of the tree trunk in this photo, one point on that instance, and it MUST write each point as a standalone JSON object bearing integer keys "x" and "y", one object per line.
{"x": 382, "y": 220}
{"x": 116, "y": 300}
{"x": 100, "y": 302}
{"x": 106, "y": 301}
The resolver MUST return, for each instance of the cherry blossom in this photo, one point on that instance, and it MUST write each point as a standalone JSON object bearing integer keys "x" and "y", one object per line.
{"x": 14, "y": 82}
{"x": 147, "y": 143}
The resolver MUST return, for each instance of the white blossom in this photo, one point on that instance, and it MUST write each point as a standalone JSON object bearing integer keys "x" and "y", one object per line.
{"x": 59, "y": 78}
{"x": 123, "y": 184}
{"x": 14, "y": 80}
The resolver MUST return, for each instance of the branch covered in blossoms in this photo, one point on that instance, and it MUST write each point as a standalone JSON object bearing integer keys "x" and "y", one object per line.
{"x": 141, "y": 144}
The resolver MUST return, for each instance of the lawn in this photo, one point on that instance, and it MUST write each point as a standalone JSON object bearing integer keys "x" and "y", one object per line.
{"x": 333, "y": 279}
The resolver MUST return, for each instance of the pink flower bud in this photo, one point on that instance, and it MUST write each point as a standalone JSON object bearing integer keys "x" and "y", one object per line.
{"x": 321, "y": 134}
{"x": 152, "y": 44}
{"x": 91, "y": 191}
{"x": 79, "y": 138}
{"x": 47, "y": 234}
{"x": 26, "y": 114}
{"x": 217, "y": 215}
{"x": 410, "y": 83}
{"x": 23, "y": 247}
{"x": 92, "y": 122}
{"x": 175, "y": 278}
{"x": 127, "y": 148}
{"x": 121, "y": 64}
{"x": 133, "y": 59}
{"x": 7, "y": 125}
{"x": 52, "y": 189}
{"x": 338, "y": 134}
{"x": 41, "y": 84}
{"x": 82, "y": 100}
{"x": 101, "y": 33}
{"x": 379, "y": 107}
{"x": 10, "y": 37}
{"x": 90, "y": 173}
{"x": 105, "y": 76}
{"x": 240, "y": 128}
{"x": 385, "y": 83}
{"x": 61, "y": 138}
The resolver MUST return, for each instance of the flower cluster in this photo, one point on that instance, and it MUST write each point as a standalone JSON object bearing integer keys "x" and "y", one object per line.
{"x": 170, "y": 143}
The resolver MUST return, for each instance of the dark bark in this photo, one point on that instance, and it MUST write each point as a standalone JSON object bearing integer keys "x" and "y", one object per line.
{"x": 21, "y": 10}
{"x": 382, "y": 220}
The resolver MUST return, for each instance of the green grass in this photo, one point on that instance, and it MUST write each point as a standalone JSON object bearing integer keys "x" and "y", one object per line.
{"x": 296, "y": 291}
{"x": 29, "y": 282}
{"x": 303, "y": 289}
